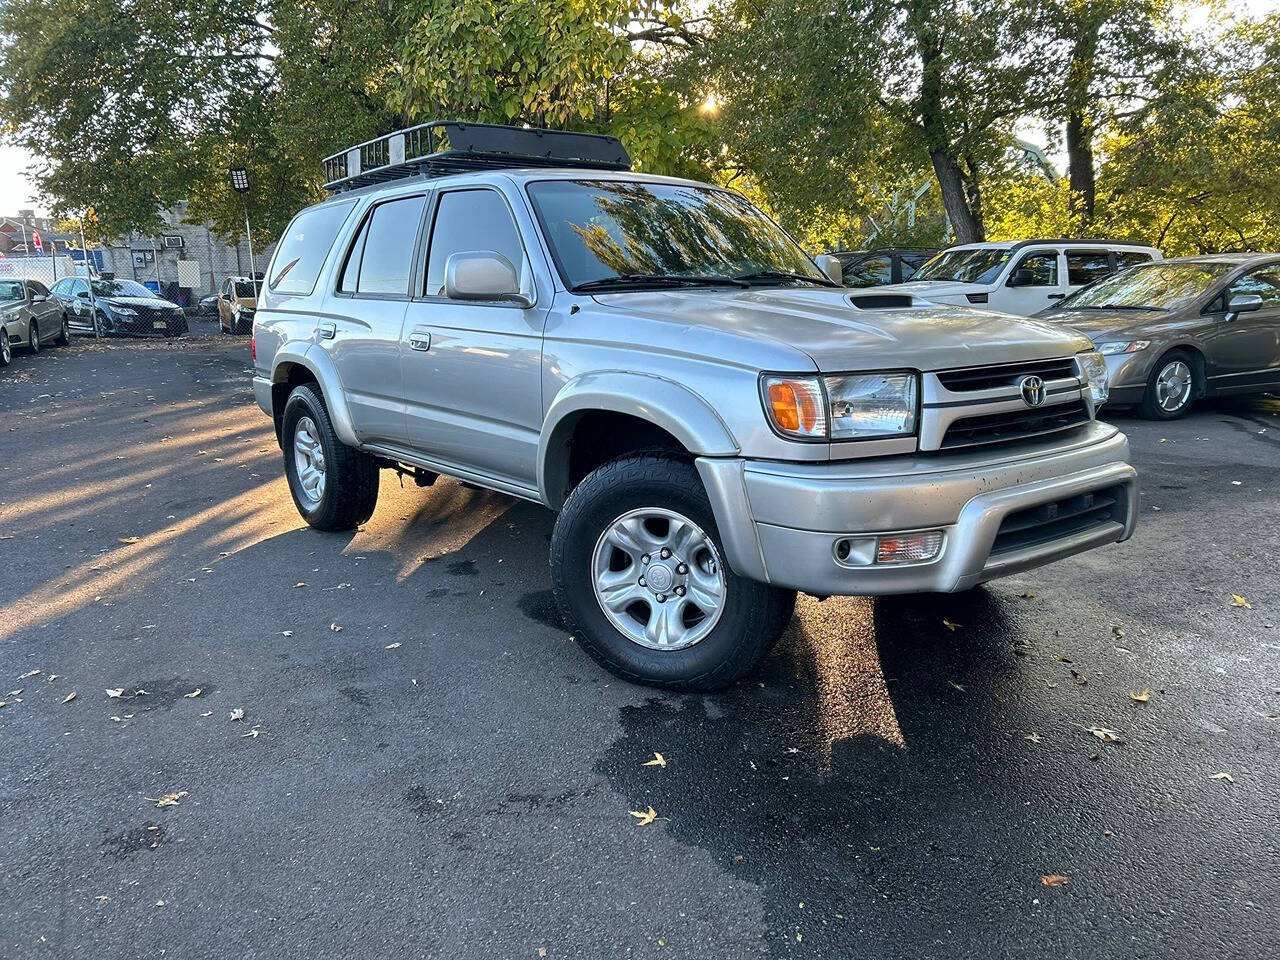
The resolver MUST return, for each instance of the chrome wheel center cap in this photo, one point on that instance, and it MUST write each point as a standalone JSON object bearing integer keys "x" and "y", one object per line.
{"x": 659, "y": 577}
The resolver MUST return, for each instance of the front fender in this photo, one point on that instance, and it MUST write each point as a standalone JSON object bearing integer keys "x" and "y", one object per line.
{"x": 318, "y": 363}
{"x": 664, "y": 403}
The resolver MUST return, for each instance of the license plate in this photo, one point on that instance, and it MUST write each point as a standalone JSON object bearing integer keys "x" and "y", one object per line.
{"x": 159, "y": 324}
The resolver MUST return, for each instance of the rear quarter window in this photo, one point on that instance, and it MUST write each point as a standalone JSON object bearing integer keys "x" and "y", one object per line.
{"x": 304, "y": 247}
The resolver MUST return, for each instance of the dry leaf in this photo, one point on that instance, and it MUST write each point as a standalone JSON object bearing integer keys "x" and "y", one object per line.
{"x": 115, "y": 694}
{"x": 392, "y": 646}
{"x": 286, "y": 633}
{"x": 1080, "y": 681}
{"x": 1033, "y": 737}
{"x": 645, "y": 818}
{"x": 69, "y": 697}
{"x": 1061, "y": 659}
{"x": 29, "y": 673}
{"x": 1142, "y": 697}
{"x": 169, "y": 799}
{"x": 1053, "y": 879}
{"x": 958, "y": 686}
{"x": 207, "y": 713}
{"x": 1028, "y": 595}
{"x": 252, "y": 733}
{"x": 193, "y": 694}
{"x": 130, "y": 539}
{"x": 298, "y": 586}
{"x": 335, "y": 628}
{"x": 1239, "y": 601}
{"x": 237, "y": 713}
{"x": 1118, "y": 631}
{"x": 542, "y": 951}
{"x": 1105, "y": 735}
{"x": 658, "y": 761}
{"x": 949, "y": 625}
{"x": 1223, "y": 776}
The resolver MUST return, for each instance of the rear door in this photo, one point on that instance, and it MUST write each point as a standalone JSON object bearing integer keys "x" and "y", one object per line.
{"x": 473, "y": 370}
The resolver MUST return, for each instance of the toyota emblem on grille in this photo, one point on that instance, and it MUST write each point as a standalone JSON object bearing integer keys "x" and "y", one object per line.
{"x": 1033, "y": 391}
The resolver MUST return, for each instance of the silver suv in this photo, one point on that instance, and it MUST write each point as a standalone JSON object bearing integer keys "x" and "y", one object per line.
{"x": 715, "y": 423}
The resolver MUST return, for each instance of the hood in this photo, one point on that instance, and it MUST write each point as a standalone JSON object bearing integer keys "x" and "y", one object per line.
{"x": 835, "y": 335}
{"x": 1102, "y": 325}
{"x": 924, "y": 292}
{"x": 152, "y": 303}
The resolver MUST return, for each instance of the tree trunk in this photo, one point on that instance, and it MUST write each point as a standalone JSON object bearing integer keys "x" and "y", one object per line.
{"x": 1080, "y": 174}
{"x": 957, "y": 189}
{"x": 951, "y": 181}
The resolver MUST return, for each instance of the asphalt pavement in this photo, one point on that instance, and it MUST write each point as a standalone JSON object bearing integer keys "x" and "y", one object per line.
{"x": 1081, "y": 761}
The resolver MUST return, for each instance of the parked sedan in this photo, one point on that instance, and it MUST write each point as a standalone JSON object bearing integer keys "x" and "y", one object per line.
{"x": 29, "y": 315}
{"x": 1177, "y": 330}
{"x": 119, "y": 307}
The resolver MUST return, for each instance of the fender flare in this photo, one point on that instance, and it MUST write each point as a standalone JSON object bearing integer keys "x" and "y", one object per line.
{"x": 317, "y": 362}
{"x": 664, "y": 403}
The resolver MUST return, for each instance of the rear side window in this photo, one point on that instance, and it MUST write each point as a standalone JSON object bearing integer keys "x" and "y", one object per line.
{"x": 1130, "y": 258}
{"x": 868, "y": 272}
{"x": 302, "y": 251}
{"x": 468, "y": 221}
{"x": 1087, "y": 266}
{"x": 381, "y": 258}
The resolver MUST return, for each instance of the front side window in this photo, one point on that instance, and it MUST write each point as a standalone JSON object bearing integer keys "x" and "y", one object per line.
{"x": 868, "y": 271}
{"x": 965, "y": 266}
{"x": 632, "y": 233}
{"x": 1263, "y": 282}
{"x": 37, "y": 288}
{"x": 1042, "y": 269}
{"x": 470, "y": 221}
{"x": 1086, "y": 266}
{"x": 1154, "y": 286}
{"x": 381, "y": 257}
{"x": 911, "y": 262}
{"x": 304, "y": 247}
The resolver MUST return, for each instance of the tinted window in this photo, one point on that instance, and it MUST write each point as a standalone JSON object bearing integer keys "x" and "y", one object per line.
{"x": 1043, "y": 268}
{"x": 37, "y": 288}
{"x": 1264, "y": 282}
{"x": 1130, "y": 258}
{"x": 246, "y": 289}
{"x": 11, "y": 291}
{"x": 911, "y": 262}
{"x": 1086, "y": 267}
{"x": 351, "y": 270}
{"x": 305, "y": 245}
{"x": 467, "y": 221}
{"x": 982, "y": 265}
{"x": 868, "y": 271}
{"x": 382, "y": 256}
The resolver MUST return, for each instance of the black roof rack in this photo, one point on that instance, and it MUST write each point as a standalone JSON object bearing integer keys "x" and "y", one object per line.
{"x": 441, "y": 147}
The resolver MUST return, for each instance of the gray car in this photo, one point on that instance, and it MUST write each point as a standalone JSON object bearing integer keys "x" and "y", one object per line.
{"x": 29, "y": 315}
{"x": 1182, "y": 329}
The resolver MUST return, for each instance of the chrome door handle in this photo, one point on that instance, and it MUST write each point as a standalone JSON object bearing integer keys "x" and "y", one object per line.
{"x": 328, "y": 331}
{"x": 420, "y": 341}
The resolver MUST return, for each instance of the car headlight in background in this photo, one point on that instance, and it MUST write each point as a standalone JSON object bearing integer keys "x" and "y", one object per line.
{"x": 124, "y": 312}
{"x": 856, "y": 406}
{"x": 1093, "y": 367}
{"x": 1122, "y": 346}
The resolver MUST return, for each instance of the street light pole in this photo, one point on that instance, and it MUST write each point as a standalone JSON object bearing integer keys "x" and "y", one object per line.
{"x": 239, "y": 178}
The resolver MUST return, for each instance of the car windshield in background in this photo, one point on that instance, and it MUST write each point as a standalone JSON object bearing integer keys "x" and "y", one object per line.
{"x": 121, "y": 288}
{"x": 964, "y": 266}
{"x": 246, "y": 289}
{"x": 11, "y": 291}
{"x": 607, "y": 233}
{"x": 1156, "y": 286}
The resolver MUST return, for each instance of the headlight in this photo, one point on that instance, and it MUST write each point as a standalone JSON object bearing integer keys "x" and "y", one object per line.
{"x": 857, "y": 406}
{"x": 1122, "y": 346}
{"x": 124, "y": 312}
{"x": 1093, "y": 367}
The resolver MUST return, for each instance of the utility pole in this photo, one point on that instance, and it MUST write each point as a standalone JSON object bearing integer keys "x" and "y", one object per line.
{"x": 88, "y": 276}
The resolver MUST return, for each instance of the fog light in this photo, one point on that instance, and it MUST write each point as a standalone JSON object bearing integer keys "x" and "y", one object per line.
{"x": 909, "y": 547}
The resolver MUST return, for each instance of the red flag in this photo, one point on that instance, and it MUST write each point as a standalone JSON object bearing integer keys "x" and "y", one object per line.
{"x": 36, "y": 241}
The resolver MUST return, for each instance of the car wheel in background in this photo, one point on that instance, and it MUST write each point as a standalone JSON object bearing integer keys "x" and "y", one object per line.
{"x": 1172, "y": 387}
{"x": 640, "y": 579}
{"x": 33, "y": 336}
{"x": 335, "y": 487}
{"x": 64, "y": 335}
{"x": 6, "y": 349}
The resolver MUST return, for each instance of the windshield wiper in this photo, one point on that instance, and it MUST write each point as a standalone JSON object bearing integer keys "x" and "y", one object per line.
{"x": 785, "y": 275}
{"x": 656, "y": 280}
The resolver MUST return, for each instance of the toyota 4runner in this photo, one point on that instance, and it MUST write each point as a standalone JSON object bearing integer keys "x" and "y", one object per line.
{"x": 714, "y": 421}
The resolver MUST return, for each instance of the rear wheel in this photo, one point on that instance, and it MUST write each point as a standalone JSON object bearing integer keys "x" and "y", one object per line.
{"x": 335, "y": 487}
{"x": 640, "y": 579}
{"x": 1171, "y": 388}
{"x": 64, "y": 335}
{"x": 33, "y": 336}
{"x": 6, "y": 349}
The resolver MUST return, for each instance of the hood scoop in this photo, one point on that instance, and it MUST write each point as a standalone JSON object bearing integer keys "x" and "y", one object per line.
{"x": 881, "y": 301}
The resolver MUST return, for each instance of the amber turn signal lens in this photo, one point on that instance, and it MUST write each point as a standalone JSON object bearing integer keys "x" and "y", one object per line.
{"x": 796, "y": 407}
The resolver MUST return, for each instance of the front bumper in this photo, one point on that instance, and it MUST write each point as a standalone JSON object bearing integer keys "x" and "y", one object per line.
{"x": 780, "y": 522}
{"x": 1127, "y": 375}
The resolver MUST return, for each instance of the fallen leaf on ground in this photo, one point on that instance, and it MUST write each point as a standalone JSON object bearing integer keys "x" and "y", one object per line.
{"x": 1053, "y": 879}
{"x": 130, "y": 539}
{"x": 1239, "y": 601}
{"x": 658, "y": 760}
{"x": 1080, "y": 681}
{"x": 69, "y": 697}
{"x": 237, "y": 713}
{"x": 115, "y": 694}
{"x": 1223, "y": 776}
{"x": 1028, "y": 595}
{"x": 252, "y": 733}
{"x": 1118, "y": 631}
{"x": 959, "y": 686}
{"x": 29, "y": 673}
{"x": 298, "y": 586}
{"x": 335, "y": 628}
{"x": 645, "y": 818}
{"x": 1142, "y": 697}
{"x": 1061, "y": 659}
{"x": 949, "y": 625}
{"x": 392, "y": 646}
{"x": 169, "y": 799}
{"x": 1033, "y": 737}
{"x": 286, "y": 633}
{"x": 207, "y": 713}
{"x": 1105, "y": 735}
{"x": 193, "y": 694}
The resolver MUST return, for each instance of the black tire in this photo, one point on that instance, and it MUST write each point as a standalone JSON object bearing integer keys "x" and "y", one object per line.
{"x": 1150, "y": 409}
{"x": 6, "y": 348}
{"x": 754, "y": 614}
{"x": 351, "y": 477}
{"x": 64, "y": 335}
{"x": 33, "y": 336}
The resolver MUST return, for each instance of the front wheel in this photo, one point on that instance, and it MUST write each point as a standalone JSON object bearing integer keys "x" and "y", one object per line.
{"x": 6, "y": 348}
{"x": 1171, "y": 388}
{"x": 335, "y": 487}
{"x": 640, "y": 578}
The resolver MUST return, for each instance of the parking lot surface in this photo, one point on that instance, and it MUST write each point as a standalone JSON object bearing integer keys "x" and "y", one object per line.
{"x": 1081, "y": 761}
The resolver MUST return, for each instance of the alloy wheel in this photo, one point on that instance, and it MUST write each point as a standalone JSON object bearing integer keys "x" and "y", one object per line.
{"x": 308, "y": 458}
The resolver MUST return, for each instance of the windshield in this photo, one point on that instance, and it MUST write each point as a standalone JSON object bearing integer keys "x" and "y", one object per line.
{"x": 121, "y": 288}
{"x": 11, "y": 291}
{"x": 1163, "y": 286}
{"x": 246, "y": 289}
{"x": 601, "y": 230}
{"x": 964, "y": 266}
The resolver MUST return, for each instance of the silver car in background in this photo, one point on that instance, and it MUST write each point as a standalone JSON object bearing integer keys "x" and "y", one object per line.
{"x": 1182, "y": 329}
{"x": 29, "y": 315}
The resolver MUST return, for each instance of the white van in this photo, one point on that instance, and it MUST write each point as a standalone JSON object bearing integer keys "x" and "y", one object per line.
{"x": 1021, "y": 277}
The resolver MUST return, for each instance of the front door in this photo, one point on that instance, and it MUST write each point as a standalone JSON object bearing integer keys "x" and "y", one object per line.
{"x": 1043, "y": 289}
{"x": 1243, "y": 353}
{"x": 472, "y": 371}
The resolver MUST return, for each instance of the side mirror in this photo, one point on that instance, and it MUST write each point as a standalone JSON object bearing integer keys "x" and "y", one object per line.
{"x": 82, "y": 294}
{"x": 1242, "y": 303}
{"x": 41, "y": 298}
{"x": 831, "y": 266}
{"x": 483, "y": 275}
{"x": 1022, "y": 278}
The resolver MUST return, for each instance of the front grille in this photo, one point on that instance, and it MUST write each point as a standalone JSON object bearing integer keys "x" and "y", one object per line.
{"x": 144, "y": 321}
{"x": 1060, "y": 518}
{"x": 1013, "y": 425}
{"x": 1006, "y": 374}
